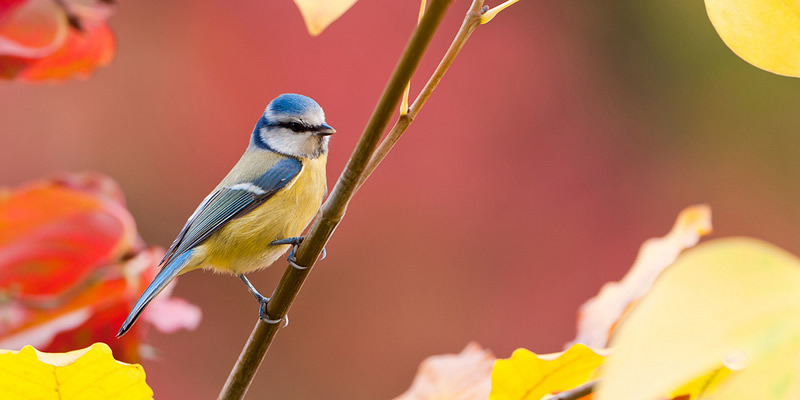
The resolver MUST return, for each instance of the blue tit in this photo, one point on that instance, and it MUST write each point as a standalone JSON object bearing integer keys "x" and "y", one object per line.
{"x": 261, "y": 207}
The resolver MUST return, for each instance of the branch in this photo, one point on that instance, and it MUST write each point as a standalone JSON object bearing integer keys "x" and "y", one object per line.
{"x": 471, "y": 21}
{"x": 334, "y": 208}
{"x": 577, "y": 392}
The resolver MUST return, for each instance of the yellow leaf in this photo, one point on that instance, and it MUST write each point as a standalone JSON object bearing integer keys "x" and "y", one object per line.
{"x": 87, "y": 374}
{"x": 490, "y": 14}
{"x": 463, "y": 376}
{"x": 774, "y": 375}
{"x": 703, "y": 386}
{"x": 599, "y": 315}
{"x": 732, "y": 302}
{"x": 765, "y": 33}
{"x": 529, "y": 376}
{"x": 318, "y": 14}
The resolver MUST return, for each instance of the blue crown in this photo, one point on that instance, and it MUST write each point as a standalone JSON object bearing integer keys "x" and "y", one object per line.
{"x": 292, "y": 104}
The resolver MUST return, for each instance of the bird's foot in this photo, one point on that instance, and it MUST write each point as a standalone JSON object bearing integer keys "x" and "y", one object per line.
{"x": 263, "y": 301}
{"x": 295, "y": 242}
{"x": 262, "y": 314}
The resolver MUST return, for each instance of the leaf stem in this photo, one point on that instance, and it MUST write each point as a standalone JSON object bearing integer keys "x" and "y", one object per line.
{"x": 333, "y": 209}
{"x": 577, "y": 392}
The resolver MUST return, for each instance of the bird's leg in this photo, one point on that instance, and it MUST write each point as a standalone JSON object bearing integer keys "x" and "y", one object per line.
{"x": 295, "y": 242}
{"x": 262, "y": 301}
{"x": 259, "y": 297}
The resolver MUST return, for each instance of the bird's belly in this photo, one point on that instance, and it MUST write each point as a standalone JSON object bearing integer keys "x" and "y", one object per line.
{"x": 243, "y": 245}
{"x": 248, "y": 249}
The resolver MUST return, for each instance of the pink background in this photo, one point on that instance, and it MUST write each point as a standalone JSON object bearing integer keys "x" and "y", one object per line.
{"x": 565, "y": 134}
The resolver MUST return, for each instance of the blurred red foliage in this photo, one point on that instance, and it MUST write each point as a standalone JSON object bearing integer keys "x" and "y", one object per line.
{"x": 46, "y": 39}
{"x": 71, "y": 265}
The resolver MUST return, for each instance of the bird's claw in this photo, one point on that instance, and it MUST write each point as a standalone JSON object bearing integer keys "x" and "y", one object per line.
{"x": 292, "y": 259}
{"x": 262, "y": 313}
{"x": 295, "y": 242}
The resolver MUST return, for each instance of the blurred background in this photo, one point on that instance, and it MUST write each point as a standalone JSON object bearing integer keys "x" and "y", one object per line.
{"x": 565, "y": 134}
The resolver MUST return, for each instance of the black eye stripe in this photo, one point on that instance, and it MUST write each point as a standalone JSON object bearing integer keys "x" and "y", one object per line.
{"x": 295, "y": 126}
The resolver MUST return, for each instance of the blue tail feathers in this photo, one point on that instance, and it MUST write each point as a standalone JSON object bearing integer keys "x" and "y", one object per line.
{"x": 162, "y": 279}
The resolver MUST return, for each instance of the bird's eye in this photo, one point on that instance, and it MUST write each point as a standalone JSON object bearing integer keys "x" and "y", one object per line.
{"x": 296, "y": 126}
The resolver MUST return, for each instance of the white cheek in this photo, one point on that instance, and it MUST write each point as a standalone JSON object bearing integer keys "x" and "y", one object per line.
{"x": 287, "y": 142}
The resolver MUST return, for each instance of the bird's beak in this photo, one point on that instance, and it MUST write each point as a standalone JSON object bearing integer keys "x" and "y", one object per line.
{"x": 325, "y": 130}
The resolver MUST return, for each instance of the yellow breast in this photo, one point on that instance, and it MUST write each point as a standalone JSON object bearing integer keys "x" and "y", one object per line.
{"x": 243, "y": 245}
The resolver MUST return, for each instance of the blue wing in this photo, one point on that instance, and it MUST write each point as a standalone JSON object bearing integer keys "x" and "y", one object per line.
{"x": 231, "y": 202}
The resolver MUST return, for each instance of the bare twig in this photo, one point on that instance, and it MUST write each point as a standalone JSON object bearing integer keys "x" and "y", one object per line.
{"x": 334, "y": 208}
{"x": 404, "y": 102}
{"x": 471, "y": 21}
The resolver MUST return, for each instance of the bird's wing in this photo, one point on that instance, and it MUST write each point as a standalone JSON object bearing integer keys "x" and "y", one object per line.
{"x": 230, "y": 202}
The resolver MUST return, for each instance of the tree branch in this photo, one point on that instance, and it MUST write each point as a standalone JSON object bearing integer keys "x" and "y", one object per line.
{"x": 471, "y": 21}
{"x": 334, "y": 208}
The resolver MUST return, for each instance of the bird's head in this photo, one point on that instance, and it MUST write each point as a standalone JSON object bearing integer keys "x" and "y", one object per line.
{"x": 294, "y": 125}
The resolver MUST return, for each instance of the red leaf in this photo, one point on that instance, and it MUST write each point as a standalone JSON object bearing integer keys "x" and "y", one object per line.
{"x": 37, "y": 43}
{"x": 100, "y": 327}
{"x": 71, "y": 266}
{"x": 80, "y": 55}
{"x": 32, "y": 29}
{"x": 54, "y": 237}
{"x": 6, "y": 6}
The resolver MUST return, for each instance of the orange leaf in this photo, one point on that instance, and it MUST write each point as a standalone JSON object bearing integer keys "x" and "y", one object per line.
{"x": 32, "y": 29}
{"x": 37, "y": 43}
{"x": 80, "y": 55}
{"x": 72, "y": 264}
{"x": 53, "y": 237}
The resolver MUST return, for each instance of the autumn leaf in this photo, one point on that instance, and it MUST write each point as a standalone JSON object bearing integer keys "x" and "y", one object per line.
{"x": 492, "y": 12}
{"x": 702, "y": 386}
{"x": 71, "y": 266}
{"x": 598, "y": 316}
{"x": 318, "y": 14}
{"x": 80, "y": 55}
{"x": 528, "y": 376}
{"x": 37, "y": 41}
{"x": 87, "y": 374}
{"x": 730, "y": 302}
{"x": 765, "y": 33}
{"x": 52, "y": 236}
{"x": 463, "y": 376}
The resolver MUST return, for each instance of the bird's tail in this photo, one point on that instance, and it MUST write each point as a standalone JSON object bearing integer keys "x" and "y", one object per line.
{"x": 162, "y": 279}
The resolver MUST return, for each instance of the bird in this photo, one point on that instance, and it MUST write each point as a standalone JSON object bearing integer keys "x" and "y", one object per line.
{"x": 260, "y": 209}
